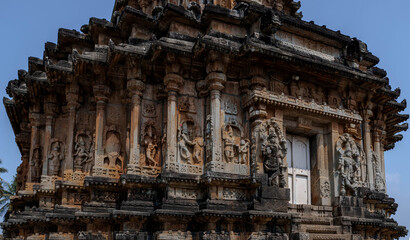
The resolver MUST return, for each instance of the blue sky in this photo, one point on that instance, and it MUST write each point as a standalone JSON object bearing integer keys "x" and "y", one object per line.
{"x": 26, "y": 25}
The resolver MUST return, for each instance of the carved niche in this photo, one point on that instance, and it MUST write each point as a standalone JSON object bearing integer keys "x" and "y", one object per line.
{"x": 55, "y": 157}
{"x": 273, "y": 151}
{"x": 113, "y": 159}
{"x": 83, "y": 152}
{"x": 235, "y": 148}
{"x": 351, "y": 164}
{"x": 190, "y": 147}
{"x": 150, "y": 150}
{"x": 35, "y": 165}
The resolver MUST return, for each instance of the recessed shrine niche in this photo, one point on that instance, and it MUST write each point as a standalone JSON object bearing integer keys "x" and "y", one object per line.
{"x": 235, "y": 143}
{"x": 190, "y": 140}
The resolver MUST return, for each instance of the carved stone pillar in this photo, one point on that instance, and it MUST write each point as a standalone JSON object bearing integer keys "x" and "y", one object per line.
{"x": 101, "y": 93}
{"x": 135, "y": 89}
{"x": 35, "y": 122}
{"x": 322, "y": 171}
{"x": 332, "y": 137}
{"x": 173, "y": 82}
{"x": 367, "y": 149}
{"x": 216, "y": 79}
{"x": 49, "y": 110}
{"x": 378, "y": 159}
{"x": 72, "y": 104}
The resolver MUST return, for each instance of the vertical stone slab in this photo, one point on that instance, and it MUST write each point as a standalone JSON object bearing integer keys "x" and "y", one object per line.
{"x": 49, "y": 109}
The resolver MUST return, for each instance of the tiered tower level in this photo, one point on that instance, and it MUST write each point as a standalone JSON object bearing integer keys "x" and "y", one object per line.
{"x": 203, "y": 120}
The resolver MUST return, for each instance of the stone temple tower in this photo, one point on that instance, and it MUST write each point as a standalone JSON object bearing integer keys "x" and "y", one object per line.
{"x": 208, "y": 119}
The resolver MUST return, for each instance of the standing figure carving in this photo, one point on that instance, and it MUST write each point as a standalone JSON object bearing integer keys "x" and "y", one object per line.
{"x": 184, "y": 142}
{"x": 190, "y": 143}
{"x": 150, "y": 145}
{"x": 235, "y": 146}
{"x": 229, "y": 145}
{"x": 82, "y": 152}
{"x": 273, "y": 150}
{"x": 244, "y": 151}
{"x": 55, "y": 156}
{"x": 35, "y": 165}
{"x": 350, "y": 158}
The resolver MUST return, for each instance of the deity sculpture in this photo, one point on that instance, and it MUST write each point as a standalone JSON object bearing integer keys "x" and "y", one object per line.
{"x": 149, "y": 142}
{"x": 350, "y": 160}
{"x": 82, "y": 153}
{"x": 229, "y": 145}
{"x": 35, "y": 165}
{"x": 273, "y": 149}
{"x": 184, "y": 142}
{"x": 197, "y": 155}
{"x": 243, "y": 151}
{"x": 55, "y": 156}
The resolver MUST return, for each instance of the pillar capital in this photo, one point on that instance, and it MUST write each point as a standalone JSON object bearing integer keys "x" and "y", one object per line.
{"x": 216, "y": 80}
{"x": 101, "y": 93}
{"x": 173, "y": 82}
{"x": 135, "y": 87}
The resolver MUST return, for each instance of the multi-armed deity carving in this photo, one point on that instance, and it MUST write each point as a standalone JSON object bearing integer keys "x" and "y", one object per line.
{"x": 83, "y": 152}
{"x": 351, "y": 164}
{"x": 273, "y": 150}
{"x": 150, "y": 154}
{"x": 35, "y": 165}
{"x": 55, "y": 157}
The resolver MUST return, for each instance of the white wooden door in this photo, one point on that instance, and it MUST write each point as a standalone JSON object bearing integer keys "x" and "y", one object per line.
{"x": 298, "y": 158}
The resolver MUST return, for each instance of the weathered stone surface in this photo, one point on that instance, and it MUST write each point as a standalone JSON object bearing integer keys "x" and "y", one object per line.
{"x": 203, "y": 120}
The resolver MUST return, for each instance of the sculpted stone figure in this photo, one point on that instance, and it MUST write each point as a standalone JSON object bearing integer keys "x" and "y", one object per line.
{"x": 229, "y": 145}
{"x": 349, "y": 163}
{"x": 82, "y": 154}
{"x": 273, "y": 151}
{"x": 150, "y": 145}
{"x": 35, "y": 165}
{"x": 244, "y": 151}
{"x": 184, "y": 142}
{"x": 55, "y": 156}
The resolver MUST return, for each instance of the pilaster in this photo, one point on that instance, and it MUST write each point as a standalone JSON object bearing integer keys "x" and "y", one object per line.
{"x": 101, "y": 93}
{"x": 172, "y": 81}
{"x": 216, "y": 80}
{"x": 135, "y": 89}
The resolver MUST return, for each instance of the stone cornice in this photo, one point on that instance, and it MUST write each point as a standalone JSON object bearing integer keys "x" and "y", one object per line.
{"x": 284, "y": 101}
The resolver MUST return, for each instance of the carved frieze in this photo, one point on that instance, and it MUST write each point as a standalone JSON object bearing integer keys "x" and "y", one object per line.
{"x": 234, "y": 194}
